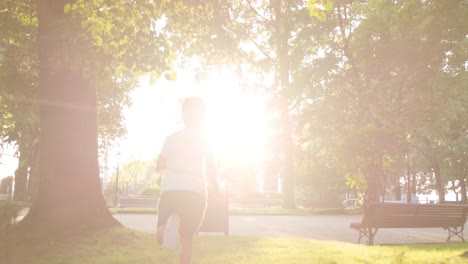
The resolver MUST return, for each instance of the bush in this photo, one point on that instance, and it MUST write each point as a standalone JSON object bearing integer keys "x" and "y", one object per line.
{"x": 150, "y": 191}
{"x": 8, "y": 213}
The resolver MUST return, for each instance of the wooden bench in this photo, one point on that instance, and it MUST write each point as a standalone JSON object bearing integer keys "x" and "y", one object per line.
{"x": 399, "y": 215}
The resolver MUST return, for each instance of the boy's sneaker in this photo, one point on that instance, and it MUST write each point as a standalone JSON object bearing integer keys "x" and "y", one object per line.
{"x": 171, "y": 232}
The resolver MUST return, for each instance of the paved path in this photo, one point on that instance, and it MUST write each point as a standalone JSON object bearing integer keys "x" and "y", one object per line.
{"x": 322, "y": 227}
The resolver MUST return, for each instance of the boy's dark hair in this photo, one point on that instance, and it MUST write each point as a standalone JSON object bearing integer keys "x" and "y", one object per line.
{"x": 193, "y": 111}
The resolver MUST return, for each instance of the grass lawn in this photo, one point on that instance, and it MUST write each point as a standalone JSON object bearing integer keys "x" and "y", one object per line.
{"x": 133, "y": 210}
{"x": 120, "y": 246}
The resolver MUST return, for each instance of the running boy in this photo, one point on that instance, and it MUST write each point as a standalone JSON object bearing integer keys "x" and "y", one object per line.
{"x": 188, "y": 169}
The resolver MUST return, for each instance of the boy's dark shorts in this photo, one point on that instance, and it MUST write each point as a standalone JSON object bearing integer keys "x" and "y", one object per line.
{"x": 190, "y": 206}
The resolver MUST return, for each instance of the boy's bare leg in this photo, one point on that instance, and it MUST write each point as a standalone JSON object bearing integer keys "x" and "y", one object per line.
{"x": 186, "y": 249}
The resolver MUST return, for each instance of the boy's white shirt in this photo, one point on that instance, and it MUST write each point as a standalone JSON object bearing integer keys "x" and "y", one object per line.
{"x": 185, "y": 153}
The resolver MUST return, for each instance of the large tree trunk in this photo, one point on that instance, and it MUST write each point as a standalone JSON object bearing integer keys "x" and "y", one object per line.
{"x": 439, "y": 183}
{"x": 463, "y": 190}
{"x": 70, "y": 198}
{"x": 374, "y": 183}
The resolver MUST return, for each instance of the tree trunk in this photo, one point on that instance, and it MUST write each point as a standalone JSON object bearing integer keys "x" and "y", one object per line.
{"x": 397, "y": 188}
{"x": 463, "y": 190}
{"x": 439, "y": 184}
{"x": 70, "y": 197}
{"x": 281, "y": 37}
{"x": 373, "y": 178}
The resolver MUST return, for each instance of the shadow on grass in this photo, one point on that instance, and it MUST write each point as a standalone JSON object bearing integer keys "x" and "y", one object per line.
{"x": 116, "y": 245}
{"x": 120, "y": 245}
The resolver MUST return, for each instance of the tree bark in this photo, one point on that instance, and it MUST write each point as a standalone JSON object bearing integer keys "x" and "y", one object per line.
{"x": 374, "y": 183}
{"x": 439, "y": 184}
{"x": 70, "y": 197}
{"x": 397, "y": 188}
{"x": 463, "y": 190}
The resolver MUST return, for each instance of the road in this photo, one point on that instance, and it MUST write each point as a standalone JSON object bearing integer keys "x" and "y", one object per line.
{"x": 322, "y": 227}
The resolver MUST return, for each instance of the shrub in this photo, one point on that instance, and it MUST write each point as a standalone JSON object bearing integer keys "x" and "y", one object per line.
{"x": 8, "y": 213}
{"x": 150, "y": 191}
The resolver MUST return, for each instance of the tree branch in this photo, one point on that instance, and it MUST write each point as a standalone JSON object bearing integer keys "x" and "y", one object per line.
{"x": 259, "y": 48}
{"x": 256, "y": 12}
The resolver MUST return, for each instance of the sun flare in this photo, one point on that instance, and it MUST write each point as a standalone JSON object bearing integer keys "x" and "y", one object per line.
{"x": 236, "y": 119}
{"x": 236, "y": 127}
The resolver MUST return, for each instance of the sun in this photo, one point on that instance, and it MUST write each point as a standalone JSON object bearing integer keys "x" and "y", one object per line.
{"x": 236, "y": 127}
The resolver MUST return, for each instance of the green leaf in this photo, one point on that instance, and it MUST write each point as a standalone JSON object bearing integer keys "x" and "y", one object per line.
{"x": 67, "y": 8}
{"x": 85, "y": 24}
{"x": 170, "y": 76}
{"x": 98, "y": 41}
{"x": 328, "y": 5}
{"x": 319, "y": 8}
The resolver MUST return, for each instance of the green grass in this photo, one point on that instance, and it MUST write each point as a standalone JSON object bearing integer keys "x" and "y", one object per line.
{"x": 120, "y": 246}
{"x": 241, "y": 211}
{"x": 133, "y": 210}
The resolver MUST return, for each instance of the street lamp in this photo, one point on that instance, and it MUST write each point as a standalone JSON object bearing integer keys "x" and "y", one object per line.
{"x": 116, "y": 195}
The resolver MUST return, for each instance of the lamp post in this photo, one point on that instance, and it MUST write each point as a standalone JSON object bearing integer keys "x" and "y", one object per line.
{"x": 116, "y": 195}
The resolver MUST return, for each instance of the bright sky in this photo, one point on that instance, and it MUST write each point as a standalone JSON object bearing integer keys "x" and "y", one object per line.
{"x": 8, "y": 163}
